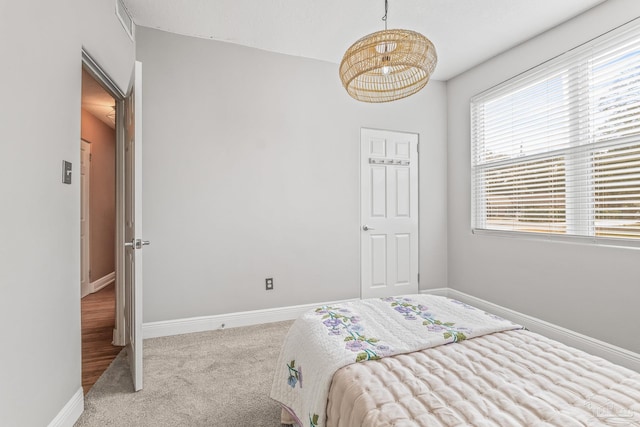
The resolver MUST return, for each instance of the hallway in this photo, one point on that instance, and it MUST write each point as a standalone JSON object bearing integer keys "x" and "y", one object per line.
{"x": 98, "y": 321}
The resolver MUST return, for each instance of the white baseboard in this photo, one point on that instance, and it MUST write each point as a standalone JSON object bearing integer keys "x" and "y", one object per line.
{"x": 590, "y": 345}
{"x": 571, "y": 338}
{"x": 443, "y": 292}
{"x": 96, "y": 285}
{"x": 70, "y": 413}
{"x": 229, "y": 320}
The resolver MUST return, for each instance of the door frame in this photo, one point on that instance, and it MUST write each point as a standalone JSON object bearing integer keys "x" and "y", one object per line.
{"x": 94, "y": 69}
{"x": 85, "y": 247}
{"x": 417, "y": 134}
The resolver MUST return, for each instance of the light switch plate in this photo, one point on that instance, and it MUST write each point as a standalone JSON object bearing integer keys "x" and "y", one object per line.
{"x": 66, "y": 172}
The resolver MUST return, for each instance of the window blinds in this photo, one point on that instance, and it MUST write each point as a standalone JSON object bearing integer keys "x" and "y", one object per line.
{"x": 556, "y": 150}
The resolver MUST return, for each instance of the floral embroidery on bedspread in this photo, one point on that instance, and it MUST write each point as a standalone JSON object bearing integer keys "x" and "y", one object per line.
{"x": 410, "y": 311}
{"x": 295, "y": 374}
{"x": 313, "y": 420}
{"x": 341, "y": 321}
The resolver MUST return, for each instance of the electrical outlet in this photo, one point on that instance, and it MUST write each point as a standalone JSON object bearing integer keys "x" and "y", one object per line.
{"x": 269, "y": 283}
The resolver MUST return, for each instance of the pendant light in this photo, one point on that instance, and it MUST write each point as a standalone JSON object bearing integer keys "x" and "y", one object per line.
{"x": 387, "y": 65}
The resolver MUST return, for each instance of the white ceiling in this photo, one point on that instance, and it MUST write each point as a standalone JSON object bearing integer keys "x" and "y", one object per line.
{"x": 465, "y": 32}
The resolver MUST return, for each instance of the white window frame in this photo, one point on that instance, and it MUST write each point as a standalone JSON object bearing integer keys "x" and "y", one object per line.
{"x": 583, "y": 229}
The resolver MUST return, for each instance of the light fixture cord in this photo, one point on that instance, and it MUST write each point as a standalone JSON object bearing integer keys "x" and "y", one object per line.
{"x": 386, "y": 10}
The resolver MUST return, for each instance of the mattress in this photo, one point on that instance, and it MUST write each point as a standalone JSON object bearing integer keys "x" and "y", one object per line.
{"x": 510, "y": 378}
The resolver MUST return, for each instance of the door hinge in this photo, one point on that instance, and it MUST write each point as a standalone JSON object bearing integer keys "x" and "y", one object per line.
{"x": 90, "y": 156}
{"x": 418, "y": 277}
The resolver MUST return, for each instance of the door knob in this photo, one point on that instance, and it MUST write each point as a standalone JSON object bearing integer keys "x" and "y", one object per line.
{"x": 136, "y": 243}
{"x": 367, "y": 228}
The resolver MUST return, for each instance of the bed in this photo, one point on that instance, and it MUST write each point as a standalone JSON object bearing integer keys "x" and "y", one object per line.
{"x": 423, "y": 360}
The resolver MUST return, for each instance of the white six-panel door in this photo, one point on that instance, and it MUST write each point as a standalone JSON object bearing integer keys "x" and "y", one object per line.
{"x": 389, "y": 213}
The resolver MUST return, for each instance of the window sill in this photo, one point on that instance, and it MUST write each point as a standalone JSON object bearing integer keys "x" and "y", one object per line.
{"x": 579, "y": 240}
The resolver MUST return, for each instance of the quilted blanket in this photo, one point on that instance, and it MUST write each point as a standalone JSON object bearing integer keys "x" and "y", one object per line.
{"x": 330, "y": 337}
{"x": 508, "y": 379}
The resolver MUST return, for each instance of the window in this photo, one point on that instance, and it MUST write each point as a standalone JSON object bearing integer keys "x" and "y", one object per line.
{"x": 556, "y": 150}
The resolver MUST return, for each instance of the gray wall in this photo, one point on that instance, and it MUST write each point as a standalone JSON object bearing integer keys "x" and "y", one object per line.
{"x": 40, "y": 46}
{"x": 589, "y": 289}
{"x": 251, "y": 170}
{"x": 102, "y": 194}
{"x": 105, "y": 40}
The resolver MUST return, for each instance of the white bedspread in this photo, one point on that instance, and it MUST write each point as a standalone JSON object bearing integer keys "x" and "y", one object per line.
{"x": 507, "y": 379}
{"x": 324, "y": 340}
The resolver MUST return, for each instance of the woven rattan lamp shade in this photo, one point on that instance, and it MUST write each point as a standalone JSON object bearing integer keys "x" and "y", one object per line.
{"x": 388, "y": 65}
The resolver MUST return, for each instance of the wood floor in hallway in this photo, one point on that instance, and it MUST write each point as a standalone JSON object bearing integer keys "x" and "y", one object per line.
{"x": 98, "y": 321}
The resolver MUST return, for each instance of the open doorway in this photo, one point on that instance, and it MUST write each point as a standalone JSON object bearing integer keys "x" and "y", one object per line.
{"x": 98, "y": 229}
{"x": 128, "y": 242}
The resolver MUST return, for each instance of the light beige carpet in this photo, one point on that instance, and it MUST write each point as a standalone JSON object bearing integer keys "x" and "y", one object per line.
{"x": 217, "y": 378}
